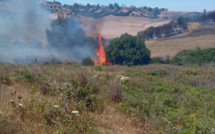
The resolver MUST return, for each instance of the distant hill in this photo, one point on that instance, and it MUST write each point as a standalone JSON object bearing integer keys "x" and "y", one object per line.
{"x": 97, "y": 11}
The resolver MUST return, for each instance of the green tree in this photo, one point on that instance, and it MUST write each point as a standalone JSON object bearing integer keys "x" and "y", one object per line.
{"x": 116, "y": 6}
{"x": 182, "y": 22}
{"x": 111, "y": 6}
{"x": 128, "y": 50}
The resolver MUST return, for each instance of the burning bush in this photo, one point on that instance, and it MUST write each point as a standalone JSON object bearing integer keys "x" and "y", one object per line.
{"x": 101, "y": 54}
{"x": 128, "y": 50}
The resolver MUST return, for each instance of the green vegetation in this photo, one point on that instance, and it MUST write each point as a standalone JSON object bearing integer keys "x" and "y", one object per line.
{"x": 77, "y": 99}
{"x": 128, "y": 50}
{"x": 198, "y": 56}
{"x": 159, "y": 60}
{"x": 156, "y": 60}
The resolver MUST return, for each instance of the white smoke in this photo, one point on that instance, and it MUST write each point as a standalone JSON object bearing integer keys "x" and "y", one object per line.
{"x": 25, "y": 27}
{"x": 24, "y": 21}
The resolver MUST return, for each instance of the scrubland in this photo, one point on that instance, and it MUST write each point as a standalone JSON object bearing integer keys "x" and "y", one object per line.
{"x": 56, "y": 99}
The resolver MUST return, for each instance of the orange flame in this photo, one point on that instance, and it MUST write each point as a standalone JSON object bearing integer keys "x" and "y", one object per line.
{"x": 63, "y": 64}
{"x": 101, "y": 54}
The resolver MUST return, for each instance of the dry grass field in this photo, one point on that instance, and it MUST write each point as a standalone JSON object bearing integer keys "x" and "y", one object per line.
{"x": 171, "y": 14}
{"x": 198, "y": 36}
{"x": 114, "y": 26}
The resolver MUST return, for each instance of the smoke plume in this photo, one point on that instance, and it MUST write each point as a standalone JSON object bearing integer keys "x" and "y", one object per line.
{"x": 69, "y": 40}
{"x": 29, "y": 32}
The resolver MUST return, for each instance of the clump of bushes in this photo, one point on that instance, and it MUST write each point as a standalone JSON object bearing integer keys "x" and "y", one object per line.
{"x": 156, "y": 60}
{"x": 159, "y": 60}
{"x": 198, "y": 56}
{"x": 158, "y": 72}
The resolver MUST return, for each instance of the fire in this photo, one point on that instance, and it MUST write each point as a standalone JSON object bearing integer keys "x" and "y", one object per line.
{"x": 63, "y": 64}
{"x": 101, "y": 54}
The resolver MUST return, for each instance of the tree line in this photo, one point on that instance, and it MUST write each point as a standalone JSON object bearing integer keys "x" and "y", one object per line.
{"x": 98, "y": 11}
{"x": 172, "y": 28}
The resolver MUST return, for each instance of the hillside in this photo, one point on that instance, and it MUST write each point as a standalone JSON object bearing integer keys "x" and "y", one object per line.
{"x": 190, "y": 16}
{"x": 198, "y": 36}
{"x": 113, "y": 26}
{"x": 97, "y": 11}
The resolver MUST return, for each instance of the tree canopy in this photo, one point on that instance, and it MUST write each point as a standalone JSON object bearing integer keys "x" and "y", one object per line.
{"x": 128, "y": 50}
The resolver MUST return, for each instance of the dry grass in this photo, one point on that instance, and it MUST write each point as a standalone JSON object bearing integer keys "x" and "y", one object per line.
{"x": 197, "y": 37}
{"x": 116, "y": 123}
{"x": 171, "y": 14}
{"x": 114, "y": 26}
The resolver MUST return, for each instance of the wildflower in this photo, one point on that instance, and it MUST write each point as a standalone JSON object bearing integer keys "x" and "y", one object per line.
{"x": 123, "y": 79}
{"x": 54, "y": 121}
{"x": 11, "y": 101}
{"x": 20, "y": 105}
{"x": 56, "y": 106}
{"x": 75, "y": 112}
{"x": 121, "y": 129}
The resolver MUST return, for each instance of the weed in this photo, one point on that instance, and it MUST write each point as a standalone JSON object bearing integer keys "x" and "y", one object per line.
{"x": 190, "y": 71}
{"x": 115, "y": 91}
{"x": 157, "y": 73}
{"x": 98, "y": 68}
{"x": 8, "y": 126}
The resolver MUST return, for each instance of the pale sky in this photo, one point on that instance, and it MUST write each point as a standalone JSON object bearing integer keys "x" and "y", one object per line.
{"x": 172, "y": 5}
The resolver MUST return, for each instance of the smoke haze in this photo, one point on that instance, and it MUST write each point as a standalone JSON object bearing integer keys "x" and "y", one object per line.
{"x": 28, "y": 32}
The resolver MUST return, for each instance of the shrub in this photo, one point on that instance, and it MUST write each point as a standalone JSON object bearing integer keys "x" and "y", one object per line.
{"x": 128, "y": 50}
{"x": 115, "y": 91}
{"x": 198, "y": 56}
{"x": 88, "y": 62}
{"x": 98, "y": 68}
{"x": 190, "y": 71}
{"x": 28, "y": 76}
{"x": 156, "y": 60}
{"x": 158, "y": 72}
